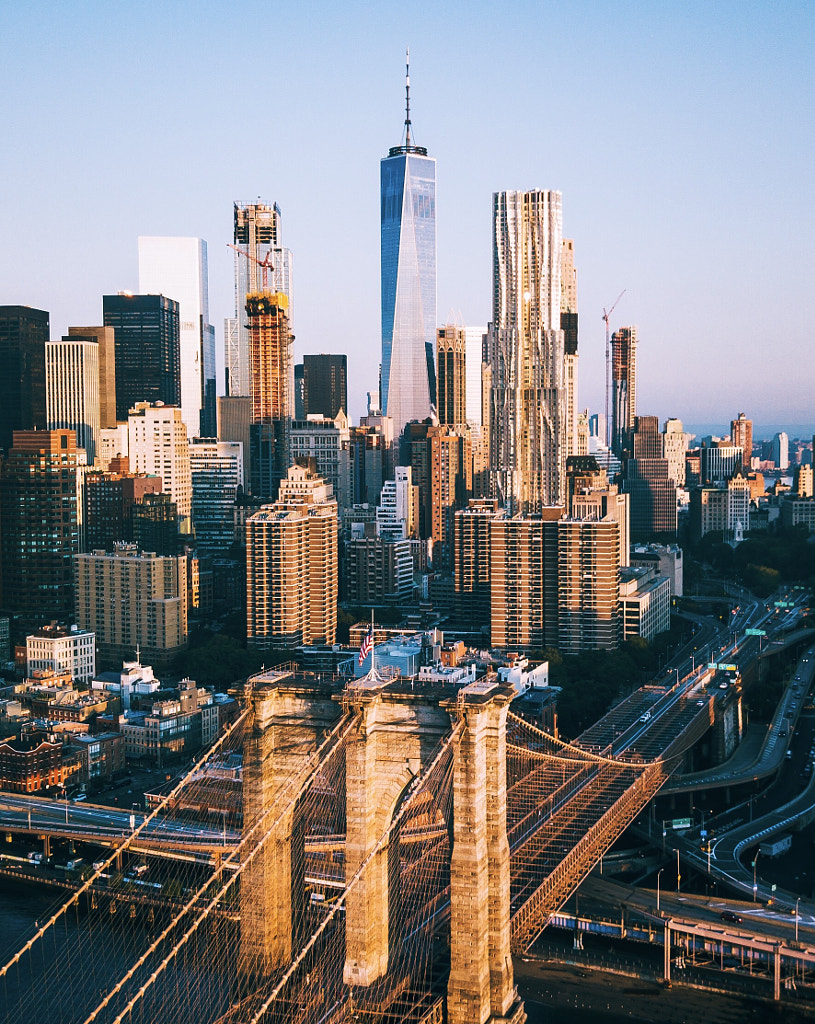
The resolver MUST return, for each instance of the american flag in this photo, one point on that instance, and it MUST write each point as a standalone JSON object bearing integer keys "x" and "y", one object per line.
{"x": 365, "y": 646}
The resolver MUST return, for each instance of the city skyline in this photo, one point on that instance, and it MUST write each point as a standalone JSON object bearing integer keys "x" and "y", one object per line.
{"x": 677, "y": 141}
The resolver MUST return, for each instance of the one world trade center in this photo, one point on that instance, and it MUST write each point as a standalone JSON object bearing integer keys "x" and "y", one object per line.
{"x": 408, "y": 217}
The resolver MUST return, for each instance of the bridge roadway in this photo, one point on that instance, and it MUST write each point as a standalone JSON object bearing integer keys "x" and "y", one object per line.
{"x": 676, "y": 716}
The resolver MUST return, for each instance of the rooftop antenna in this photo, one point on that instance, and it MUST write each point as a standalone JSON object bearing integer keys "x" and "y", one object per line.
{"x": 407, "y": 96}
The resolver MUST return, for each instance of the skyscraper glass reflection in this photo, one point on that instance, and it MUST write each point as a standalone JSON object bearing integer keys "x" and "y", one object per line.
{"x": 408, "y": 238}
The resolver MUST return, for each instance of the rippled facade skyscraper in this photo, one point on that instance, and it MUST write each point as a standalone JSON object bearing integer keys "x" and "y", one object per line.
{"x": 526, "y": 353}
{"x": 408, "y": 237}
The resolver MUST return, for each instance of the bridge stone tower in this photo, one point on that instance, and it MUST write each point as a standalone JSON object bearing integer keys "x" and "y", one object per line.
{"x": 291, "y": 715}
{"x": 397, "y": 737}
{"x": 481, "y": 987}
{"x": 398, "y": 734}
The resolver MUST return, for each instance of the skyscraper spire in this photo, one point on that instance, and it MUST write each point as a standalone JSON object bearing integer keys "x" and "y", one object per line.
{"x": 407, "y": 97}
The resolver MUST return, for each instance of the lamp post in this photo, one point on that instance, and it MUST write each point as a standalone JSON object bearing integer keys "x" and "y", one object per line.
{"x": 658, "y": 874}
{"x": 678, "y": 876}
{"x": 755, "y": 886}
{"x": 796, "y": 917}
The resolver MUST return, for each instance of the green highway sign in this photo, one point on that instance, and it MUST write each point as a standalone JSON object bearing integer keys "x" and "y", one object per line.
{"x": 755, "y": 632}
{"x": 678, "y": 823}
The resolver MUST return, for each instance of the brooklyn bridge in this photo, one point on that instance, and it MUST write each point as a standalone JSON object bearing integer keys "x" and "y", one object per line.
{"x": 384, "y": 850}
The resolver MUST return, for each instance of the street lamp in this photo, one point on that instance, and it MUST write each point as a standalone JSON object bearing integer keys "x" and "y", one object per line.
{"x": 678, "y": 876}
{"x": 658, "y": 874}
{"x": 755, "y": 886}
{"x": 796, "y": 917}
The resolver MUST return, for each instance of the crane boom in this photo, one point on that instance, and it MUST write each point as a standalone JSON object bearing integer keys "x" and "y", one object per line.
{"x": 265, "y": 264}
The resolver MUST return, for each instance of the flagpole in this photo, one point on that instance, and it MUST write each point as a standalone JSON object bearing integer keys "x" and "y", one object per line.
{"x": 373, "y": 645}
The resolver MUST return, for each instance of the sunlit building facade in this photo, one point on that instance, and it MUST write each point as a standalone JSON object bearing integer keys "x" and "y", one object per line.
{"x": 408, "y": 256}
{"x": 526, "y": 348}
{"x": 177, "y": 267}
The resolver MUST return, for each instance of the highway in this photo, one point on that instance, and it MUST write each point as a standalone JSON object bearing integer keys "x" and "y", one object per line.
{"x": 93, "y": 821}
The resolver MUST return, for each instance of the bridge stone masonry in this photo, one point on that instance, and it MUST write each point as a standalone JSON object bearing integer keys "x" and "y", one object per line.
{"x": 397, "y": 732}
{"x": 399, "y": 842}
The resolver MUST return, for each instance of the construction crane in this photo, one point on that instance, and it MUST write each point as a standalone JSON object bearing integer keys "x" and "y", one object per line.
{"x": 265, "y": 264}
{"x": 606, "y": 316}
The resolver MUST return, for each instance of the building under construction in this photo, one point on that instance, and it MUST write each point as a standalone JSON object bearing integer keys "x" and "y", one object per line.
{"x": 271, "y": 388}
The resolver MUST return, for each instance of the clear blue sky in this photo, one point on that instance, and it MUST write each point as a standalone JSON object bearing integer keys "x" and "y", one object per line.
{"x": 680, "y": 135}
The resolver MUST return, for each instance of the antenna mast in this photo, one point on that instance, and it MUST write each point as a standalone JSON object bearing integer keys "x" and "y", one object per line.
{"x": 407, "y": 96}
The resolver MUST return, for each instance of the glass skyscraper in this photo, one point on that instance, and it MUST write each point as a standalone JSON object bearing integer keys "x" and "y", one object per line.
{"x": 177, "y": 268}
{"x": 408, "y": 219}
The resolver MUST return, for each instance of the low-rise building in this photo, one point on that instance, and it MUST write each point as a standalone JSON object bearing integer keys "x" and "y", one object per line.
{"x": 63, "y": 649}
{"x": 35, "y": 761}
{"x": 100, "y": 756}
{"x": 646, "y": 603}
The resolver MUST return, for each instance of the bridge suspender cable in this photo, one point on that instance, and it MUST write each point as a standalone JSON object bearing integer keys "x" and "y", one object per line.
{"x": 299, "y": 782}
{"x": 397, "y": 818}
{"x": 134, "y": 835}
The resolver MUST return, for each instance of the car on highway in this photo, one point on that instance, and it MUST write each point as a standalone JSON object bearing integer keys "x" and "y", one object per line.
{"x": 646, "y": 717}
{"x": 728, "y": 915}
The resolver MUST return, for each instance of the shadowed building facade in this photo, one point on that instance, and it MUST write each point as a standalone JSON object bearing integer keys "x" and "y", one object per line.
{"x": 40, "y": 532}
{"x": 23, "y": 334}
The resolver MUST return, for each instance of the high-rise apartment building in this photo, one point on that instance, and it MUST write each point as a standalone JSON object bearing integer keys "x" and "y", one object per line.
{"x": 108, "y": 498}
{"x": 398, "y": 512}
{"x": 291, "y": 565}
{"x": 72, "y": 390}
{"x": 588, "y": 585}
{"x": 325, "y": 385}
{"x": 526, "y": 352}
{"x": 647, "y": 440}
{"x": 719, "y": 461}
{"x": 472, "y": 561}
{"x": 257, "y": 234}
{"x": 158, "y": 446}
{"x": 39, "y": 533}
{"x": 591, "y": 496}
{"x": 216, "y": 470}
{"x": 154, "y": 522}
{"x": 177, "y": 267}
{"x": 328, "y": 442}
{"x": 623, "y": 390}
{"x": 377, "y": 570}
{"x": 555, "y": 581}
{"x": 408, "y": 260}
{"x": 568, "y": 324}
{"x": 106, "y": 351}
{"x": 271, "y": 388}
{"x": 781, "y": 450}
{"x": 23, "y": 334}
{"x": 450, "y": 463}
{"x": 477, "y": 394}
{"x": 653, "y": 498}
{"x": 234, "y": 419}
{"x": 523, "y": 583}
{"x": 133, "y": 600}
{"x": 674, "y": 448}
{"x": 451, "y": 375}
{"x": 146, "y": 332}
{"x": 741, "y": 435}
